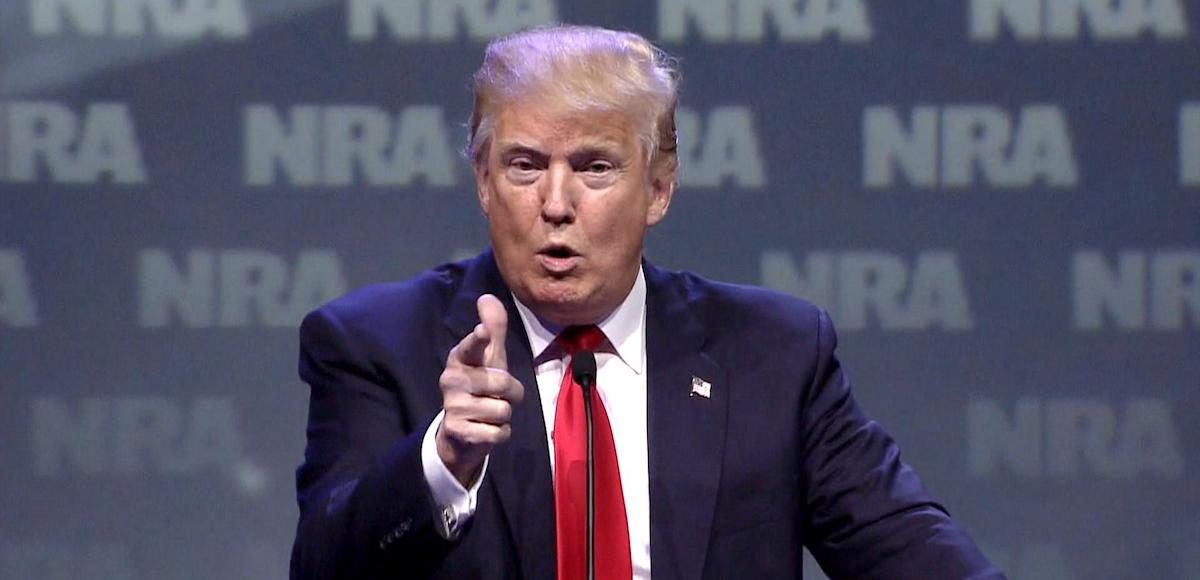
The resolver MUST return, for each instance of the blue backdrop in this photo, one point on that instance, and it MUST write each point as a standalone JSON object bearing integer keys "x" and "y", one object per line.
{"x": 997, "y": 200}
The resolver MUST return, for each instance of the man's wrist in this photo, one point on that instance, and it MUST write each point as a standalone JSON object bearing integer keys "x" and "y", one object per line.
{"x": 466, "y": 473}
{"x": 454, "y": 503}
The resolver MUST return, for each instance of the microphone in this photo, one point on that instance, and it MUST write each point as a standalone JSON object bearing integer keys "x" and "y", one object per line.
{"x": 583, "y": 370}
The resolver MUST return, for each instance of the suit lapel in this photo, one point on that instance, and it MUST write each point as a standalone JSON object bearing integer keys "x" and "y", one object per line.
{"x": 518, "y": 471}
{"x": 686, "y": 432}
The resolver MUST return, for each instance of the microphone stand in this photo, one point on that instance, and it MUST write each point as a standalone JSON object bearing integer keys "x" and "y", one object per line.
{"x": 585, "y": 375}
{"x": 591, "y": 487}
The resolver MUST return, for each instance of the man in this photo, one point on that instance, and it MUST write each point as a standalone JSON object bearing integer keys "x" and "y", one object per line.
{"x": 444, "y": 435}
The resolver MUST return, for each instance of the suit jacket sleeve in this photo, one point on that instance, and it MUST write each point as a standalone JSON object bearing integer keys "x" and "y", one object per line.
{"x": 869, "y": 515}
{"x": 364, "y": 504}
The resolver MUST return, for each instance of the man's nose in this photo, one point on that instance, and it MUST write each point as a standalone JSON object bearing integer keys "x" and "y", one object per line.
{"x": 558, "y": 198}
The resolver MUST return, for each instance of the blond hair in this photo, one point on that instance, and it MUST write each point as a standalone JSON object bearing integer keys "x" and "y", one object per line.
{"x": 583, "y": 68}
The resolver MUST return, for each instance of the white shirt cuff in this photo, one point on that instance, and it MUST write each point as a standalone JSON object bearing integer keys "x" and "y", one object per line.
{"x": 453, "y": 504}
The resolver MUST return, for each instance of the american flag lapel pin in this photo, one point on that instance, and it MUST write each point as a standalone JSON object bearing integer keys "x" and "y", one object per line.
{"x": 701, "y": 387}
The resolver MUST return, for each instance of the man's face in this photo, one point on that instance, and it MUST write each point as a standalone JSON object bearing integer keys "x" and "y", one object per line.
{"x": 568, "y": 197}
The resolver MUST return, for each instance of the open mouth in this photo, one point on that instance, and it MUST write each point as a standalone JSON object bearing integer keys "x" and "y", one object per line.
{"x": 558, "y": 251}
{"x": 558, "y": 258}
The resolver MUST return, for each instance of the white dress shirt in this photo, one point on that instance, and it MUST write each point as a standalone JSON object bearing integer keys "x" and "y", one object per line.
{"x": 621, "y": 381}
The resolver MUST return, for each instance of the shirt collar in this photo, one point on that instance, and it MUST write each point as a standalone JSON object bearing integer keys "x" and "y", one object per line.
{"x": 624, "y": 327}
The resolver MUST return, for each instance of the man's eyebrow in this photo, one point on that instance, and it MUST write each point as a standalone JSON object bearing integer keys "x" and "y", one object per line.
{"x": 592, "y": 151}
{"x": 518, "y": 147}
{"x": 599, "y": 148}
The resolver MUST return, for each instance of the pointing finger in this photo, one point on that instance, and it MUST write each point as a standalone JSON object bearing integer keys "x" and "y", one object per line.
{"x": 494, "y": 319}
{"x": 471, "y": 350}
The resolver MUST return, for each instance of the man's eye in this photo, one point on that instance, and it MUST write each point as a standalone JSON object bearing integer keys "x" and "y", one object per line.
{"x": 598, "y": 167}
{"x": 522, "y": 165}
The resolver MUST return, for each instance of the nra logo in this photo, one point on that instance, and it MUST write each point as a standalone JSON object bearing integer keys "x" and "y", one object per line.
{"x": 138, "y": 436}
{"x": 720, "y": 147}
{"x": 51, "y": 142}
{"x": 168, "y": 19}
{"x": 864, "y": 289}
{"x": 1136, "y": 290}
{"x": 958, "y": 146}
{"x": 1064, "y": 20}
{"x": 1073, "y": 438}
{"x": 790, "y": 21}
{"x": 445, "y": 20}
{"x": 234, "y": 288}
{"x": 336, "y": 145}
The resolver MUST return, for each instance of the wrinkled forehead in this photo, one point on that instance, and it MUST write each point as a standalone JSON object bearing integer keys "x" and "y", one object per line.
{"x": 550, "y": 126}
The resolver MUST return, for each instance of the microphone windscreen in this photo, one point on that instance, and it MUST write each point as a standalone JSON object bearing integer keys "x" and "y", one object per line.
{"x": 583, "y": 368}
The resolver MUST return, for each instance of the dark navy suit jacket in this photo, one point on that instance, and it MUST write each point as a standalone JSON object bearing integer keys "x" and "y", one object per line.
{"x": 778, "y": 457}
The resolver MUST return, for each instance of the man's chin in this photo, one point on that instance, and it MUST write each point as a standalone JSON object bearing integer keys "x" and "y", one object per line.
{"x": 562, "y": 303}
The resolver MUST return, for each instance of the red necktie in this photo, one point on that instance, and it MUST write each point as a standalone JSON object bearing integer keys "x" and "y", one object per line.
{"x": 570, "y": 477}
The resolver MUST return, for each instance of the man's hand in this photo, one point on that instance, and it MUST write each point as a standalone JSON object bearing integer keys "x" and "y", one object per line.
{"x": 478, "y": 394}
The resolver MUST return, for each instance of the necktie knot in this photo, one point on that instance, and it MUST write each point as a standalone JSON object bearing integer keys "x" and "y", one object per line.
{"x": 583, "y": 337}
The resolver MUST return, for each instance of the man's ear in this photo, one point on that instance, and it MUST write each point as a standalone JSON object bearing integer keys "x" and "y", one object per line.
{"x": 664, "y": 173}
